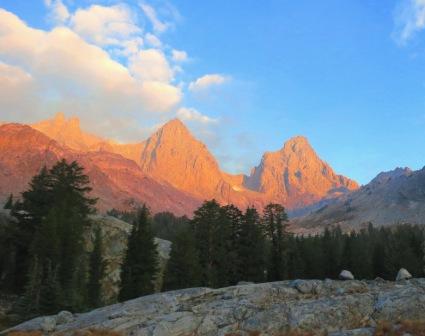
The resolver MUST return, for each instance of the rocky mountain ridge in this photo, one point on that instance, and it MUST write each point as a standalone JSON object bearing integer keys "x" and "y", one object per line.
{"x": 174, "y": 161}
{"x": 393, "y": 197}
{"x": 320, "y": 307}
{"x": 117, "y": 182}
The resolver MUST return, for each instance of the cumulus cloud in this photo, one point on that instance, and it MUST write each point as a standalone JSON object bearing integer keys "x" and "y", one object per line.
{"x": 102, "y": 25}
{"x": 58, "y": 11}
{"x": 409, "y": 20}
{"x": 96, "y": 63}
{"x": 151, "y": 65}
{"x": 207, "y": 81}
{"x": 80, "y": 76}
{"x": 152, "y": 40}
{"x": 179, "y": 55}
{"x": 151, "y": 14}
{"x": 191, "y": 114}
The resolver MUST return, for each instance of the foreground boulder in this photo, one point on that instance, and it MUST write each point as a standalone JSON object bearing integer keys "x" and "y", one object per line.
{"x": 349, "y": 307}
{"x": 346, "y": 275}
{"x": 403, "y": 274}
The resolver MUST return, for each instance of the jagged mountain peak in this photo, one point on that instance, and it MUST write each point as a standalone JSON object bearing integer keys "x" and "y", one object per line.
{"x": 295, "y": 143}
{"x": 296, "y": 176}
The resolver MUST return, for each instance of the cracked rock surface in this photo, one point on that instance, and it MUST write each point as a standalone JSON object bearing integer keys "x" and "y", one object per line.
{"x": 335, "y": 307}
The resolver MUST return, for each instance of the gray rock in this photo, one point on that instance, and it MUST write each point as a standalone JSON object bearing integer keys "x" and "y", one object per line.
{"x": 303, "y": 286}
{"x": 346, "y": 275}
{"x": 403, "y": 274}
{"x": 241, "y": 283}
{"x": 339, "y": 308}
{"x": 355, "y": 332}
{"x": 64, "y": 317}
{"x": 48, "y": 324}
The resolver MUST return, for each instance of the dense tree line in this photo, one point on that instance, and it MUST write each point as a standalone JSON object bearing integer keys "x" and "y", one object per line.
{"x": 226, "y": 246}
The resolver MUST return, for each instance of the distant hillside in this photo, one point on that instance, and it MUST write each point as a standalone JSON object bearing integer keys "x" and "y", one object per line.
{"x": 392, "y": 197}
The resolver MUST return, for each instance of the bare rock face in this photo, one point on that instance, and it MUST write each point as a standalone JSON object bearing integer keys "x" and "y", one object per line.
{"x": 117, "y": 182}
{"x": 170, "y": 171}
{"x": 391, "y": 198}
{"x": 296, "y": 176}
{"x": 67, "y": 132}
{"x": 173, "y": 155}
{"x": 335, "y": 307}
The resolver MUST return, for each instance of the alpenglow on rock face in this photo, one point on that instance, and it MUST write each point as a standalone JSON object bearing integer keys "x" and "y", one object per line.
{"x": 170, "y": 171}
{"x": 335, "y": 307}
{"x": 296, "y": 176}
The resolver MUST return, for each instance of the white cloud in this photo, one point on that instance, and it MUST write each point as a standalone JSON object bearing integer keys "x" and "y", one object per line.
{"x": 79, "y": 77}
{"x": 191, "y": 114}
{"x": 207, "y": 81}
{"x": 152, "y": 40}
{"x": 179, "y": 55}
{"x": 104, "y": 26}
{"x": 409, "y": 19}
{"x": 58, "y": 11}
{"x": 151, "y": 65}
{"x": 151, "y": 14}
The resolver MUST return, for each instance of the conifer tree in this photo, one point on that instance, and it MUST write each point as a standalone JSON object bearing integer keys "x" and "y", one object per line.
{"x": 140, "y": 265}
{"x": 9, "y": 203}
{"x": 204, "y": 224}
{"x": 275, "y": 222}
{"x": 35, "y": 205}
{"x": 96, "y": 272}
{"x": 29, "y": 304}
{"x": 50, "y": 291}
{"x": 251, "y": 248}
{"x": 183, "y": 269}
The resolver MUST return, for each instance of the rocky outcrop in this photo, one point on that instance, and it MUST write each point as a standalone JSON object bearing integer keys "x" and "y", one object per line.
{"x": 296, "y": 176}
{"x": 392, "y": 197}
{"x": 336, "y": 307}
{"x": 115, "y": 234}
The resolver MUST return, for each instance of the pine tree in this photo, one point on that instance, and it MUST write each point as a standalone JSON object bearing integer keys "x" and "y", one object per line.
{"x": 96, "y": 272}
{"x": 9, "y": 203}
{"x": 251, "y": 248}
{"x": 204, "y": 224}
{"x": 183, "y": 269}
{"x": 140, "y": 265}
{"x": 50, "y": 293}
{"x": 275, "y": 222}
{"x": 35, "y": 205}
{"x": 29, "y": 304}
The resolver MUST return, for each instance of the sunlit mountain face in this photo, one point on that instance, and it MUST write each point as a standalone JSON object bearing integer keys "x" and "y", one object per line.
{"x": 171, "y": 170}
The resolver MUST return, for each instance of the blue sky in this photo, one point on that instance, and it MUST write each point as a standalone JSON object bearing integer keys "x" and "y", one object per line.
{"x": 244, "y": 75}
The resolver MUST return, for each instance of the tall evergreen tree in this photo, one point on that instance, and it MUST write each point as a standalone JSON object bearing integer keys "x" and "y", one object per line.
{"x": 9, "y": 202}
{"x": 275, "y": 222}
{"x": 204, "y": 224}
{"x": 50, "y": 292}
{"x": 251, "y": 248}
{"x": 96, "y": 271}
{"x": 35, "y": 205}
{"x": 183, "y": 268}
{"x": 29, "y": 304}
{"x": 140, "y": 265}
